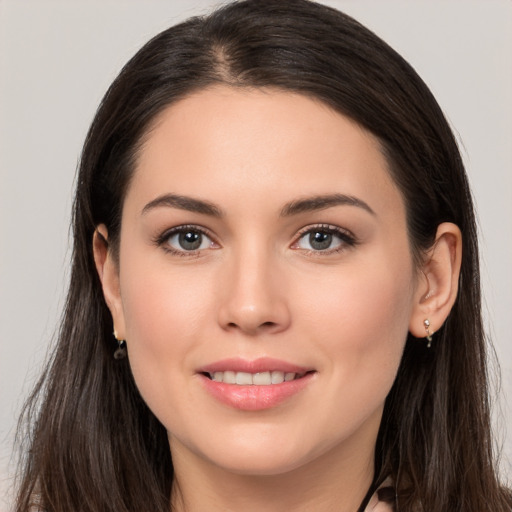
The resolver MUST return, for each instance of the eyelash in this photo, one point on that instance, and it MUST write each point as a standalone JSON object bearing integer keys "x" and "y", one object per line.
{"x": 347, "y": 239}
{"x": 162, "y": 240}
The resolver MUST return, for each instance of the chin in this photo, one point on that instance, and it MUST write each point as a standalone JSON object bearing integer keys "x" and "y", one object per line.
{"x": 264, "y": 455}
{"x": 260, "y": 464}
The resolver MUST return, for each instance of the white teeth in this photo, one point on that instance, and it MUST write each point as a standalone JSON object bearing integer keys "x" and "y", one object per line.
{"x": 257, "y": 379}
{"x": 262, "y": 379}
{"x": 243, "y": 378}
{"x": 277, "y": 377}
{"x": 228, "y": 377}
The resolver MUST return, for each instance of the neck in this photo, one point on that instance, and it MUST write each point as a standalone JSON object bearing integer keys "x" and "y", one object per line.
{"x": 335, "y": 481}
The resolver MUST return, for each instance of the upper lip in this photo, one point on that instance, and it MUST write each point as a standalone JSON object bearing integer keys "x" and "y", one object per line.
{"x": 263, "y": 364}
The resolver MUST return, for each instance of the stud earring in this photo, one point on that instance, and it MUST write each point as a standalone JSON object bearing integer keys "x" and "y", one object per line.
{"x": 120, "y": 352}
{"x": 426, "y": 323}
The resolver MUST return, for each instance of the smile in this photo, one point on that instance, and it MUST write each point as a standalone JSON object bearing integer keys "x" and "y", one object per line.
{"x": 254, "y": 379}
{"x": 255, "y": 385}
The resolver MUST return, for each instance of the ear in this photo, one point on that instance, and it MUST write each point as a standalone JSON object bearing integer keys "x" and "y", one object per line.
{"x": 108, "y": 273}
{"x": 438, "y": 285}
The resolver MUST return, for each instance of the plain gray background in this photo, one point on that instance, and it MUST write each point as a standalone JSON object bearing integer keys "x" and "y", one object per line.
{"x": 58, "y": 57}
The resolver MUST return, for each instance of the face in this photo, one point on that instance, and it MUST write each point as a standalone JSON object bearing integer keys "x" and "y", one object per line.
{"x": 265, "y": 281}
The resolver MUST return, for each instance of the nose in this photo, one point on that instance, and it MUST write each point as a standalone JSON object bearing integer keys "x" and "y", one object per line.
{"x": 253, "y": 298}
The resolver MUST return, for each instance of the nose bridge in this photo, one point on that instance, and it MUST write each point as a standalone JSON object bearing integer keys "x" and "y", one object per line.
{"x": 253, "y": 299}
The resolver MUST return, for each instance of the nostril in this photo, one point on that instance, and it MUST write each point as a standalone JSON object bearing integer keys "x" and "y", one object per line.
{"x": 264, "y": 326}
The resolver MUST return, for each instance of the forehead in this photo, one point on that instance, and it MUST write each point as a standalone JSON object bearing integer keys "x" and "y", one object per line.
{"x": 222, "y": 143}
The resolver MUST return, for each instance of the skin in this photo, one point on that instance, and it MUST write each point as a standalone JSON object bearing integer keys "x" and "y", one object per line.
{"x": 257, "y": 287}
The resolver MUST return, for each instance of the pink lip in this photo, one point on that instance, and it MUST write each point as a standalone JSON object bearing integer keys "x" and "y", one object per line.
{"x": 263, "y": 364}
{"x": 254, "y": 398}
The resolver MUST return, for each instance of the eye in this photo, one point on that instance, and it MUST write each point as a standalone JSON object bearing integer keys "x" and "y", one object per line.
{"x": 185, "y": 239}
{"x": 324, "y": 239}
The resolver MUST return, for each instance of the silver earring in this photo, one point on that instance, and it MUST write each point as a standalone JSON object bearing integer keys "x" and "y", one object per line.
{"x": 120, "y": 352}
{"x": 426, "y": 323}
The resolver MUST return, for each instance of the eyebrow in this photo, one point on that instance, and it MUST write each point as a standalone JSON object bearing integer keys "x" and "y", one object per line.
{"x": 184, "y": 203}
{"x": 322, "y": 202}
{"x": 296, "y": 207}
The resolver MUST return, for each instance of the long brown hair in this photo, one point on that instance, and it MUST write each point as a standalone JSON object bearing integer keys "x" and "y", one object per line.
{"x": 93, "y": 444}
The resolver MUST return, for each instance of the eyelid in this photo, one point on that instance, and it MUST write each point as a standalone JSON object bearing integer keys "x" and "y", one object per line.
{"x": 161, "y": 239}
{"x": 332, "y": 228}
{"x": 347, "y": 237}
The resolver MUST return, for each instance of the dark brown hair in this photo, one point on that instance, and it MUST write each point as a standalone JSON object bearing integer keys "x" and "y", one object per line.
{"x": 94, "y": 445}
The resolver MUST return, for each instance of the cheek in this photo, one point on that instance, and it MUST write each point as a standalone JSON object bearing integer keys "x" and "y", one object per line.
{"x": 162, "y": 303}
{"x": 363, "y": 299}
{"x": 164, "y": 311}
{"x": 360, "y": 320}
{"x": 359, "y": 326}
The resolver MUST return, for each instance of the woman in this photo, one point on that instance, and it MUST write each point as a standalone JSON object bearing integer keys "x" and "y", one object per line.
{"x": 273, "y": 218}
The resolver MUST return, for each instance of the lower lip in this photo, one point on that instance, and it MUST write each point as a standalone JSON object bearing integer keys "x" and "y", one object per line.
{"x": 255, "y": 398}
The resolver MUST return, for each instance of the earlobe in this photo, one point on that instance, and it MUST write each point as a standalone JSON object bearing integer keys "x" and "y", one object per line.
{"x": 109, "y": 277}
{"x": 438, "y": 285}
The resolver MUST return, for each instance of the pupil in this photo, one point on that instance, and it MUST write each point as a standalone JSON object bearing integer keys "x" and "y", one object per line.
{"x": 320, "y": 240}
{"x": 190, "y": 240}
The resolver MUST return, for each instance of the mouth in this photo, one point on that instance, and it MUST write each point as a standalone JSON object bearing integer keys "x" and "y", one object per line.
{"x": 267, "y": 378}
{"x": 255, "y": 385}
